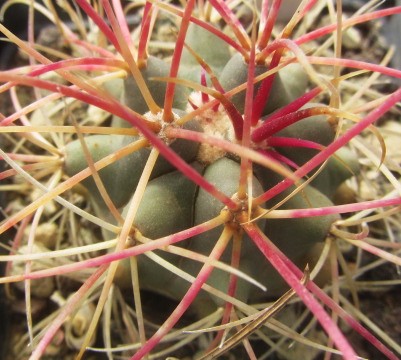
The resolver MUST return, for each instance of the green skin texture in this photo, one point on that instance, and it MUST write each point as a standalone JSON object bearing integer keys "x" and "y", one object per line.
{"x": 223, "y": 174}
{"x": 154, "y": 68}
{"x": 121, "y": 178}
{"x": 338, "y": 169}
{"x": 132, "y": 97}
{"x": 172, "y": 203}
{"x": 177, "y": 194}
{"x": 314, "y": 128}
{"x": 214, "y": 51}
{"x": 184, "y": 205}
{"x": 289, "y": 83}
{"x": 318, "y": 129}
{"x": 296, "y": 236}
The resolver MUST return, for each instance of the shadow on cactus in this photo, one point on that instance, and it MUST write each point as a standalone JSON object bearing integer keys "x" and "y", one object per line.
{"x": 205, "y": 177}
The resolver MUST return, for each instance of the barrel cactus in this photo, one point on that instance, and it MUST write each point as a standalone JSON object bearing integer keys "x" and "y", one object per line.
{"x": 207, "y": 177}
{"x": 171, "y": 202}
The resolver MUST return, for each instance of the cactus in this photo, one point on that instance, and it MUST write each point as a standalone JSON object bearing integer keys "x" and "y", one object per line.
{"x": 210, "y": 179}
{"x": 172, "y": 207}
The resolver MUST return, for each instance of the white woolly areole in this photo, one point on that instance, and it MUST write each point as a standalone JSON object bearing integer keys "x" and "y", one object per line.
{"x": 213, "y": 123}
{"x": 158, "y": 118}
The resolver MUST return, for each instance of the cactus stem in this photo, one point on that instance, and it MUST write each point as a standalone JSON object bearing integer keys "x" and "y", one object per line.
{"x": 199, "y": 224}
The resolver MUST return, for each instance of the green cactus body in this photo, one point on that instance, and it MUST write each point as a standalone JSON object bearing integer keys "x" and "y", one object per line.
{"x": 166, "y": 207}
{"x": 183, "y": 205}
{"x": 209, "y": 47}
{"x": 315, "y": 128}
{"x": 340, "y": 167}
{"x": 235, "y": 73}
{"x": 295, "y": 237}
{"x": 225, "y": 175}
{"x": 176, "y": 194}
{"x": 172, "y": 203}
{"x": 154, "y": 68}
{"x": 131, "y": 94}
{"x": 121, "y": 177}
{"x": 318, "y": 129}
